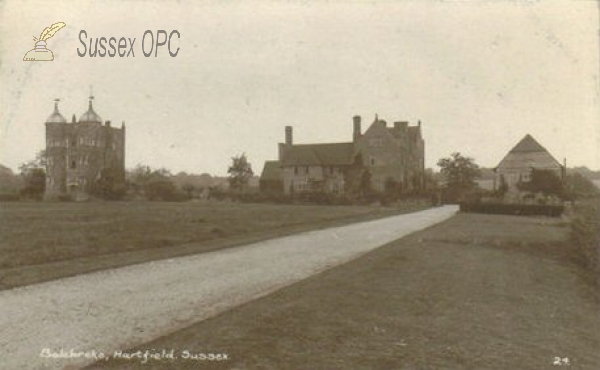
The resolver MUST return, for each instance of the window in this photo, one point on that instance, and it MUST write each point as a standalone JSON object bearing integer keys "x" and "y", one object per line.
{"x": 372, "y": 161}
{"x": 73, "y": 164}
{"x": 295, "y": 170}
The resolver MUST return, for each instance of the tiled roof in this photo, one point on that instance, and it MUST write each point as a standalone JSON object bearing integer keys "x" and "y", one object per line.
{"x": 528, "y": 144}
{"x": 319, "y": 154}
{"x": 528, "y": 153}
{"x": 272, "y": 171}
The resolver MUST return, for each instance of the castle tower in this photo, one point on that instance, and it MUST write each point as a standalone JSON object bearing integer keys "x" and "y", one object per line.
{"x": 78, "y": 151}
{"x": 55, "y": 153}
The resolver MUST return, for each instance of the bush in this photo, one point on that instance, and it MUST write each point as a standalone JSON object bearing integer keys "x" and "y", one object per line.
{"x": 111, "y": 185}
{"x": 545, "y": 182}
{"x": 315, "y": 198}
{"x": 458, "y": 196}
{"x": 165, "y": 190}
{"x": 65, "y": 198}
{"x": 585, "y": 234}
{"x": 512, "y": 209}
{"x": 9, "y": 197}
{"x": 580, "y": 187}
{"x": 217, "y": 193}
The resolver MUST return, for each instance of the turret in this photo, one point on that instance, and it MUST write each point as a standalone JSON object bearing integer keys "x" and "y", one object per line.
{"x": 90, "y": 116}
{"x": 56, "y": 117}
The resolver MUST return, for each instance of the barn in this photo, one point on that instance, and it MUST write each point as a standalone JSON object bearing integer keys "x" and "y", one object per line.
{"x": 527, "y": 155}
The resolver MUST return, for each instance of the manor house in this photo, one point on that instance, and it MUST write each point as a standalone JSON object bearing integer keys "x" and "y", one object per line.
{"x": 77, "y": 152}
{"x": 382, "y": 155}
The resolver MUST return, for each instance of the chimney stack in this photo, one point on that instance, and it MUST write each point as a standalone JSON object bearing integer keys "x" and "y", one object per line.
{"x": 289, "y": 139}
{"x": 401, "y": 125}
{"x": 357, "y": 129}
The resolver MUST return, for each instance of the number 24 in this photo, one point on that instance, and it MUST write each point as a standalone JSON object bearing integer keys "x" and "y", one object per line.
{"x": 561, "y": 361}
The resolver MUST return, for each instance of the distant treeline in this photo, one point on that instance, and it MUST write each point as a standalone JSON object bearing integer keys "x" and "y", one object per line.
{"x": 141, "y": 181}
{"x": 14, "y": 186}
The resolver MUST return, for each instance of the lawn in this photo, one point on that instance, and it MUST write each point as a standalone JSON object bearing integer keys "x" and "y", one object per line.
{"x": 45, "y": 241}
{"x": 475, "y": 292}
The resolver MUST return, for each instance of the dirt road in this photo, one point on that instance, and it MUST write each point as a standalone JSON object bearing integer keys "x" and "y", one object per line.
{"x": 70, "y": 322}
{"x": 475, "y": 292}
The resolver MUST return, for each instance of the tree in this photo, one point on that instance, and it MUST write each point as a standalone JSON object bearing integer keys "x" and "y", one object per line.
{"x": 158, "y": 186}
{"x": 502, "y": 187}
{"x": 429, "y": 177}
{"x": 545, "y": 182}
{"x": 139, "y": 177}
{"x": 111, "y": 184}
{"x": 189, "y": 189}
{"x": 34, "y": 176}
{"x": 39, "y": 161}
{"x": 10, "y": 183}
{"x": 239, "y": 172}
{"x": 580, "y": 187}
{"x": 460, "y": 173}
{"x": 155, "y": 184}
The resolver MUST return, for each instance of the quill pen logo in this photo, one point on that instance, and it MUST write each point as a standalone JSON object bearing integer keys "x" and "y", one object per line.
{"x": 40, "y": 52}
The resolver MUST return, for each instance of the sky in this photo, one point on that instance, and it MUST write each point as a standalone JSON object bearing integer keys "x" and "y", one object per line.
{"x": 479, "y": 75}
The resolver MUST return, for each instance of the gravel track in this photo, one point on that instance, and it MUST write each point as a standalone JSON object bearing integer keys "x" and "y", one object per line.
{"x": 120, "y": 308}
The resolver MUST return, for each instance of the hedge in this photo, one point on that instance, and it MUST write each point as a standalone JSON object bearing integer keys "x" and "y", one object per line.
{"x": 513, "y": 209}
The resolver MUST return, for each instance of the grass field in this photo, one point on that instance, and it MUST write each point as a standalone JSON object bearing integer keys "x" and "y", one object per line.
{"x": 45, "y": 241}
{"x": 475, "y": 292}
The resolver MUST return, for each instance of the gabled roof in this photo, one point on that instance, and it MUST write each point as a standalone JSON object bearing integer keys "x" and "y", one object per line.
{"x": 528, "y": 153}
{"x": 272, "y": 171}
{"x": 319, "y": 154}
{"x": 528, "y": 144}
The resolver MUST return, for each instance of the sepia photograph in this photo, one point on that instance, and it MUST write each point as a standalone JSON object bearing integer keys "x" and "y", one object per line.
{"x": 345, "y": 184}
